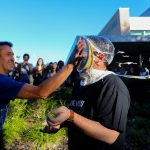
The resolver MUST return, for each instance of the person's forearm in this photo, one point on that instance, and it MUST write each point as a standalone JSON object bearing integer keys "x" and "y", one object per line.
{"x": 51, "y": 84}
{"x": 95, "y": 129}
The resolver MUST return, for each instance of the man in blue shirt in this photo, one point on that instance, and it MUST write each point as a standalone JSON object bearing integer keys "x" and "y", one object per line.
{"x": 11, "y": 89}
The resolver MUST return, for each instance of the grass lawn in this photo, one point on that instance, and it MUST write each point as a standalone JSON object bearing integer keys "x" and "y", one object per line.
{"x": 25, "y": 120}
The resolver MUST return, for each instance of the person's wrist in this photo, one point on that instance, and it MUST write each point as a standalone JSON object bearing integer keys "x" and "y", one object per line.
{"x": 71, "y": 115}
{"x": 70, "y": 66}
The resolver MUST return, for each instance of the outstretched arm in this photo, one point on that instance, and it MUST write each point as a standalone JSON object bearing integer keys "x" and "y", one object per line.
{"x": 46, "y": 87}
{"x": 51, "y": 84}
{"x": 92, "y": 128}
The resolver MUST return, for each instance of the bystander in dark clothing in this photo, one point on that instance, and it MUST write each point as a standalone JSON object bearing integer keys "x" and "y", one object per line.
{"x": 25, "y": 70}
{"x": 38, "y": 72}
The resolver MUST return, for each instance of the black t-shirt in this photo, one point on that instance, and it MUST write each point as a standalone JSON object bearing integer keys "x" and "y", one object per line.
{"x": 106, "y": 101}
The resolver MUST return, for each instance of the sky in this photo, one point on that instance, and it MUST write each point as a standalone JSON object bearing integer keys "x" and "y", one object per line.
{"x": 47, "y": 28}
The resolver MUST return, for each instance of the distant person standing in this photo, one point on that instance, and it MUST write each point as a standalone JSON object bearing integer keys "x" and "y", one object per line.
{"x": 15, "y": 72}
{"x": 25, "y": 69}
{"x": 60, "y": 64}
{"x": 38, "y": 72}
{"x": 48, "y": 70}
{"x": 146, "y": 70}
{"x": 54, "y": 69}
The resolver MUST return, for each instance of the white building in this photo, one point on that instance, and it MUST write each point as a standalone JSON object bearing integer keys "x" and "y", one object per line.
{"x": 130, "y": 35}
{"x": 123, "y": 24}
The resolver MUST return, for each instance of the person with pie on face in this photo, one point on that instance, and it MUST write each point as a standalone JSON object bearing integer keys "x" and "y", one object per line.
{"x": 98, "y": 109}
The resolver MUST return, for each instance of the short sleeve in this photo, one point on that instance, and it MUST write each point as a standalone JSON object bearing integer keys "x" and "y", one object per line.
{"x": 9, "y": 88}
{"x": 113, "y": 104}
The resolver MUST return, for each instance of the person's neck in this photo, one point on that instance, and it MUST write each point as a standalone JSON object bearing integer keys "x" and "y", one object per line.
{"x": 3, "y": 72}
{"x": 101, "y": 67}
{"x": 25, "y": 62}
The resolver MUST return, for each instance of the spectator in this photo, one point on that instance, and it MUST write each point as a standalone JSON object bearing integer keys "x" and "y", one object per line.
{"x": 48, "y": 70}
{"x": 15, "y": 72}
{"x": 60, "y": 64}
{"x": 54, "y": 69}
{"x": 25, "y": 69}
{"x": 38, "y": 72}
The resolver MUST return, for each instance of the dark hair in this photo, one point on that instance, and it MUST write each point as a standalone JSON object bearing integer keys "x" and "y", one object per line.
{"x": 42, "y": 61}
{"x": 6, "y": 43}
{"x": 60, "y": 64}
{"x": 26, "y": 55}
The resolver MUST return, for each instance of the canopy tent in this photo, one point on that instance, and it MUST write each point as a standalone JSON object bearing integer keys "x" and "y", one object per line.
{"x": 130, "y": 51}
{"x": 134, "y": 50}
{"x": 131, "y": 48}
{"x": 128, "y": 38}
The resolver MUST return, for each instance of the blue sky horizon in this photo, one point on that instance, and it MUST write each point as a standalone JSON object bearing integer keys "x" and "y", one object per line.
{"x": 47, "y": 29}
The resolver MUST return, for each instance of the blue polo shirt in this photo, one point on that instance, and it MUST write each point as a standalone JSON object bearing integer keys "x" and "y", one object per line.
{"x": 8, "y": 91}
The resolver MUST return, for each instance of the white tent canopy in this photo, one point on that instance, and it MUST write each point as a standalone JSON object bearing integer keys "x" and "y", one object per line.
{"x": 128, "y": 38}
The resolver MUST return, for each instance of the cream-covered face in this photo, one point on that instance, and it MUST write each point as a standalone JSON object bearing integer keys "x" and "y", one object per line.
{"x": 6, "y": 59}
{"x": 94, "y": 64}
{"x": 98, "y": 61}
{"x": 95, "y": 71}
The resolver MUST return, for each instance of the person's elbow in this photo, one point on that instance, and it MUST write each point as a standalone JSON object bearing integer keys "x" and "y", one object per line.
{"x": 42, "y": 95}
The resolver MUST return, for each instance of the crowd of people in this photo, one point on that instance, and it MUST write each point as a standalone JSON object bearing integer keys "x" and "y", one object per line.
{"x": 26, "y": 72}
{"x": 134, "y": 70}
